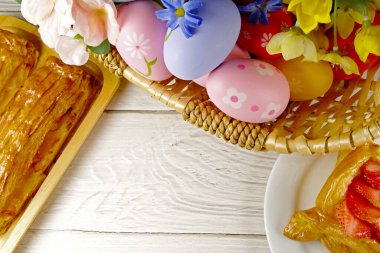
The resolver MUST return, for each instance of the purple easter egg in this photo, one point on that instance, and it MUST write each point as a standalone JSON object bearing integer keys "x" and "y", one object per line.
{"x": 191, "y": 58}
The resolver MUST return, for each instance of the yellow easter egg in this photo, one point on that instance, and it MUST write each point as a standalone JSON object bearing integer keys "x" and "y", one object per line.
{"x": 307, "y": 80}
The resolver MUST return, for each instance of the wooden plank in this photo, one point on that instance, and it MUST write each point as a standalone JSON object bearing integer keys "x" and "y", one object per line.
{"x": 133, "y": 98}
{"x": 156, "y": 173}
{"x": 37, "y": 241}
{"x": 16, "y": 14}
{"x": 9, "y": 5}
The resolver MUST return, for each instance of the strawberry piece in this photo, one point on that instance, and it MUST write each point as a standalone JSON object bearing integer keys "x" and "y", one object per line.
{"x": 362, "y": 208}
{"x": 351, "y": 225}
{"x": 371, "y": 168}
{"x": 371, "y": 173}
{"x": 373, "y": 181}
{"x": 368, "y": 192}
{"x": 376, "y": 234}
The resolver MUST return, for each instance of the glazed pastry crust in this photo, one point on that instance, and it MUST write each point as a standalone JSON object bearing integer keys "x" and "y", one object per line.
{"x": 36, "y": 124}
{"x": 18, "y": 57}
{"x": 319, "y": 223}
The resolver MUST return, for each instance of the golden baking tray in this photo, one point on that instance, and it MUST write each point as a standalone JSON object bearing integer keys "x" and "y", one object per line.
{"x": 110, "y": 83}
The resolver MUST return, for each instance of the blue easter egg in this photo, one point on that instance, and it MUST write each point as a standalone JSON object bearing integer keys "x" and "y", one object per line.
{"x": 194, "y": 57}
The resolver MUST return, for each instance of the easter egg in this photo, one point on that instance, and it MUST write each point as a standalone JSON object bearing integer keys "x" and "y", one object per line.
{"x": 141, "y": 39}
{"x": 255, "y": 38}
{"x": 194, "y": 57}
{"x": 236, "y": 53}
{"x": 249, "y": 90}
{"x": 307, "y": 80}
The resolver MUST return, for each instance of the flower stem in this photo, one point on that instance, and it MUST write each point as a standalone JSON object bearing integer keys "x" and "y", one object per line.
{"x": 336, "y": 47}
{"x": 366, "y": 19}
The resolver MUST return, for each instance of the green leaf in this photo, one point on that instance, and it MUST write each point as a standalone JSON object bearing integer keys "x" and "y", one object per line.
{"x": 159, "y": 2}
{"x": 357, "y": 5}
{"x": 78, "y": 37}
{"x": 149, "y": 65}
{"x": 19, "y": 1}
{"x": 103, "y": 48}
{"x": 168, "y": 35}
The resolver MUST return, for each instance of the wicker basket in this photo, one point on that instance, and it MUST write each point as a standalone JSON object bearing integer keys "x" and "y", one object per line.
{"x": 344, "y": 118}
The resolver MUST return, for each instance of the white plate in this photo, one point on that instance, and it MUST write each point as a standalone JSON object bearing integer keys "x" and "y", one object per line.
{"x": 294, "y": 185}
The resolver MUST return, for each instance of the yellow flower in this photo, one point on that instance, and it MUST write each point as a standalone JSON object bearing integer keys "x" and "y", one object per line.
{"x": 348, "y": 65}
{"x": 293, "y": 44}
{"x": 377, "y": 4}
{"x": 320, "y": 39}
{"x": 367, "y": 41}
{"x": 310, "y": 13}
{"x": 359, "y": 17}
{"x": 347, "y": 17}
{"x": 345, "y": 22}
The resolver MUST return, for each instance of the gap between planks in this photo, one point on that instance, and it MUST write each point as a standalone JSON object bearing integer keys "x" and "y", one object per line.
{"x": 143, "y": 112}
{"x": 33, "y": 230}
{"x": 37, "y": 241}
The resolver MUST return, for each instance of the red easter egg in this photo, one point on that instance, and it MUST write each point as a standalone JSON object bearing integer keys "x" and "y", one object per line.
{"x": 254, "y": 38}
{"x": 376, "y": 21}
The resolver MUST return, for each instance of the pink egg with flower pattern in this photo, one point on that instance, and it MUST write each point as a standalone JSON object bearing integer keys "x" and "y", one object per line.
{"x": 236, "y": 53}
{"x": 141, "y": 39}
{"x": 249, "y": 90}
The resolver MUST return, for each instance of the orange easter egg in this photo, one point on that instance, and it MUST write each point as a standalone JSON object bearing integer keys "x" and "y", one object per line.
{"x": 307, "y": 80}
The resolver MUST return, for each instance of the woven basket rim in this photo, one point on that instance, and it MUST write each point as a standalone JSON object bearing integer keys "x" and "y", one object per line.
{"x": 192, "y": 102}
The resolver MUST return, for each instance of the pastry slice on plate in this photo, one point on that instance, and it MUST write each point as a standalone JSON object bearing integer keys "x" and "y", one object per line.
{"x": 346, "y": 217}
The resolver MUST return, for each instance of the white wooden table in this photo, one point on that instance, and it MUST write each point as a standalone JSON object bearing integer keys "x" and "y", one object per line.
{"x": 147, "y": 181}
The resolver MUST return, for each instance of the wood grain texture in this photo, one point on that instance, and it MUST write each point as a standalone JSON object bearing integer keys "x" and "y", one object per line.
{"x": 9, "y": 6}
{"x": 132, "y": 98}
{"x": 38, "y": 241}
{"x": 155, "y": 173}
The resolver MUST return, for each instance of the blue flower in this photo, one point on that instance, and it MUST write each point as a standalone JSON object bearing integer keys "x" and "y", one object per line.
{"x": 259, "y": 10}
{"x": 181, "y": 14}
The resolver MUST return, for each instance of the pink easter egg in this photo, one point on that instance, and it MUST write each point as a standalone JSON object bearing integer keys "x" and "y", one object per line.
{"x": 141, "y": 39}
{"x": 249, "y": 90}
{"x": 236, "y": 53}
